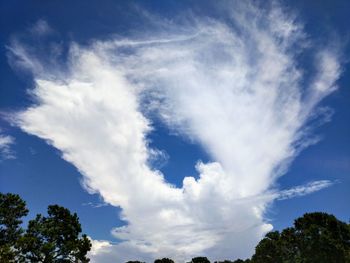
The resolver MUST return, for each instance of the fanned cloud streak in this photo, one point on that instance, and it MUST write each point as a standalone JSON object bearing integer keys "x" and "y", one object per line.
{"x": 237, "y": 88}
{"x": 5, "y": 147}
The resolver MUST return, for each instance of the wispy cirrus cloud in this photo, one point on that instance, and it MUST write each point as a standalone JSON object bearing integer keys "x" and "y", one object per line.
{"x": 41, "y": 27}
{"x": 236, "y": 87}
{"x": 306, "y": 189}
{"x": 94, "y": 205}
{"x": 5, "y": 146}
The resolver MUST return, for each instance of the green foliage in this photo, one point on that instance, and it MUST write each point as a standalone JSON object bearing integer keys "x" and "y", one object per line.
{"x": 322, "y": 238}
{"x": 52, "y": 239}
{"x": 315, "y": 237}
{"x": 55, "y": 238}
{"x": 12, "y": 209}
{"x": 200, "y": 260}
{"x": 269, "y": 249}
{"x": 164, "y": 260}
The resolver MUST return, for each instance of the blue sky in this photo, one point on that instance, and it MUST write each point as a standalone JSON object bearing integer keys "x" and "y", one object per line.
{"x": 100, "y": 102}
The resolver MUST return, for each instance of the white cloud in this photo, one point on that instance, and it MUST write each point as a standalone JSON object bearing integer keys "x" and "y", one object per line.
{"x": 98, "y": 247}
{"x": 5, "y": 147}
{"x": 238, "y": 91}
{"x": 95, "y": 205}
{"x": 106, "y": 252}
{"x": 41, "y": 28}
{"x": 304, "y": 189}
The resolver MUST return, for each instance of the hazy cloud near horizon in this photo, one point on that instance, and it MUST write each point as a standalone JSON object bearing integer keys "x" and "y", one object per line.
{"x": 235, "y": 87}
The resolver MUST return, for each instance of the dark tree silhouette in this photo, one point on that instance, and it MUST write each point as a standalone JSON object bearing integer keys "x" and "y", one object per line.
{"x": 269, "y": 249}
{"x": 315, "y": 237}
{"x": 55, "y": 238}
{"x": 241, "y": 261}
{"x": 200, "y": 260}
{"x": 12, "y": 209}
{"x": 164, "y": 260}
{"x": 322, "y": 237}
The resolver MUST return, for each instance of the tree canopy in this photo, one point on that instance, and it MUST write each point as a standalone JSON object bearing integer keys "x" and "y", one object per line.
{"x": 164, "y": 260}
{"x": 12, "y": 209}
{"x": 200, "y": 260}
{"x": 315, "y": 237}
{"x": 55, "y": 238}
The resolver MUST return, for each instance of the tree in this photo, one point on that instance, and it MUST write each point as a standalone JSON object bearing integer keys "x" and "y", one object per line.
{"x": 315, "y": 237}
{"x": 200, "y": 260}
{"x": 322, "y": 238}
{"x": 55, "y": 238}
{"x": 12, "y": 209}
{"x": 164, "y": 260}
{"x": 269, "y": 249}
